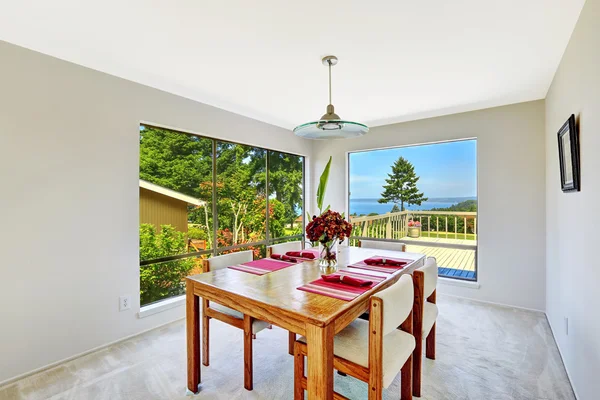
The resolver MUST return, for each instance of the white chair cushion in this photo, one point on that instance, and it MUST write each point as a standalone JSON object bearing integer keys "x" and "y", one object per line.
{"x": 398, "y": 302}
{"x": 283, "y": 248}
{"x": 430, "y": 314}
{"x": 227, "y": 260}
{"x": 376, "y": 244}
{"x": 430, "y": 270}
{"x": 352, "y": 344}
{"x": 257, "y": 325}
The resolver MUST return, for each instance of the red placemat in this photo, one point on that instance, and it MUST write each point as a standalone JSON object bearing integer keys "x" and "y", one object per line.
{"x": 340, "y": 290}
{"x": 263, "y": 266}
{"x": 388, "y": 269}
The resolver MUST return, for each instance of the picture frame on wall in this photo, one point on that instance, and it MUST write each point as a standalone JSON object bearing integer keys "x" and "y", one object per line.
{"x": 568, "y": 156}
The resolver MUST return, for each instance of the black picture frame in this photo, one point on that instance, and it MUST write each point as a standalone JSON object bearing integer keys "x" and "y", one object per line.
{"x": 568, "y": 156}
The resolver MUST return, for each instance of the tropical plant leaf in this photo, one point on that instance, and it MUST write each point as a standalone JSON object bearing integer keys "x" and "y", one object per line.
{"x": 323, "y": 184}
{"x": 326, "y": 209}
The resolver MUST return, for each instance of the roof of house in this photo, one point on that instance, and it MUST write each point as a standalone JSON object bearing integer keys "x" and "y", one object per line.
{"x": 171, "y": 193}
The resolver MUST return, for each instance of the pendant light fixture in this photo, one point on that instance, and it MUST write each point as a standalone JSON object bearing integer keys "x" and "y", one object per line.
{"x": 330, "y": 125}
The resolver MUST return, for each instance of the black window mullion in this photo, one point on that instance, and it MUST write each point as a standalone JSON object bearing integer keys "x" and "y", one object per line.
{"x": 267, "y": 223}
{"x": 214, "y": 197}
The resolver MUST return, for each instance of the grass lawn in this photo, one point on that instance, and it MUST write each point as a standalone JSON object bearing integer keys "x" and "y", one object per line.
{"x": 449, "y": 235}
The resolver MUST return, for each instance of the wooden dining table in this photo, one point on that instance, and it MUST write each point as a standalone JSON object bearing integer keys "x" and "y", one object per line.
{"x": 274, "y": 298}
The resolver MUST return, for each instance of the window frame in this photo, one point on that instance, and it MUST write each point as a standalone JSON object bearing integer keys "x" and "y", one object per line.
{"x": 474, "y": 247}
{"x": 215, "y": 250}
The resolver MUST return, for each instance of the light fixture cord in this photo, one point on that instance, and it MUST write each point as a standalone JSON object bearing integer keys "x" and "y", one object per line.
{"x": 329, "y": 62}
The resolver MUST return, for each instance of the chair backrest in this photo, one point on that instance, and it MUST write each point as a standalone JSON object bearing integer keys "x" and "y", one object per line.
{"x": 430, "y": 272}
{"x": 376, "y": 244}
{"x": 397, "y": 303}
{"x": 227, "y": 260}
{"x": 283, "y": 248}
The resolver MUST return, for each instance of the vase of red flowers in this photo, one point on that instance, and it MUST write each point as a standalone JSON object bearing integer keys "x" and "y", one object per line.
{"x": 328, "y": 229}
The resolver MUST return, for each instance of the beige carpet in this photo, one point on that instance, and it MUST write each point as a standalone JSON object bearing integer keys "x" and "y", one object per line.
{"x": 484, "y": 352}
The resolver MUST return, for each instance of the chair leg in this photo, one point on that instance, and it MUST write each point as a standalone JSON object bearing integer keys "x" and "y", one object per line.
{"x": 291, "y": 341}
{"x": 298, "y": 373}
{"x": 375, "y": 383}
{"x": 248, "y": 368}
{"x": 406, "y": 380}
{"x": 417, "y": 368}
{"x": 430, "y": 344}
{"x": 205, "y": 334}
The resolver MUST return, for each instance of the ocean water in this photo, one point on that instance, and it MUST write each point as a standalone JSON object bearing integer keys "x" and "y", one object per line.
{"x": 368, "y": 206}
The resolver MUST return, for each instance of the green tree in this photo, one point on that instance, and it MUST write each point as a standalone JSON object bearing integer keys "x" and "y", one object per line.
{"x": 395, "y": 209}
{"x": 467, "y": 205}
{"x": 401, "y": 187}
{"x": 162, "y": 280}
{"x": 175, "y": 160}
{"x": 180, "y": 162}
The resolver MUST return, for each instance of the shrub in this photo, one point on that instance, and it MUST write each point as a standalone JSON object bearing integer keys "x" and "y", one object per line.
{"x": 196, "y": 231}
{"x": 162, "y": 280}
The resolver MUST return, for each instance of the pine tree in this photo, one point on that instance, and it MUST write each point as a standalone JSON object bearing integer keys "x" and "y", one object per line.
{"x": 402, "y": 185}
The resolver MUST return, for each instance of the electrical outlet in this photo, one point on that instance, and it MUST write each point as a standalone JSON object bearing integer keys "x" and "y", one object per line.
{"x": 567, "y": 326}
{"x": 124, "y": 302}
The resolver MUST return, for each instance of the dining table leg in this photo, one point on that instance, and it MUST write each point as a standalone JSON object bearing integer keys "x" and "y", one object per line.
{"x": 192, "y": 311}
{"x": 319, "y": 341}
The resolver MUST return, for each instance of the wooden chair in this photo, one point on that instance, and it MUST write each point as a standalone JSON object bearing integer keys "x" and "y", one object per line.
{"x": 373, "y": 351}
{"x": 283, "y": 248}
{"x": 377, "y": 244}
{"x": 425, "y": 313}
{"x": 249, "y": 325}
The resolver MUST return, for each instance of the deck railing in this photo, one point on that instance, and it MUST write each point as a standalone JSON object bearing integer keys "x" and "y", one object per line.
{"x": 460, "y": 225}
{"x": 450, "y": 236}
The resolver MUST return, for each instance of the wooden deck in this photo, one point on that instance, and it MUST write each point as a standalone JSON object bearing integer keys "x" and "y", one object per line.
{"x": 456, "y": 263}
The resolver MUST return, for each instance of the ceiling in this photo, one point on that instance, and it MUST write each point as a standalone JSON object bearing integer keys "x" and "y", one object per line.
{"x": 398, "y": 60}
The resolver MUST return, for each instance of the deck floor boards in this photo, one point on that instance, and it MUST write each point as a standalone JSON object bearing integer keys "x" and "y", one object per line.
{"x": 458, "y": 263}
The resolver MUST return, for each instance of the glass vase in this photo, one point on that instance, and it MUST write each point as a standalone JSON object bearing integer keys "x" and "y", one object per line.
{"x": 328, "y": 256}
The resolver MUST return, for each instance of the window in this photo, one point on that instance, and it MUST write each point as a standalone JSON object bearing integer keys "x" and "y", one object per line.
{"x": 286, "y": 196}
{"x": 241, "y": 194}
{"x": 201, "y": 197}
{"x": 424, "y": 196}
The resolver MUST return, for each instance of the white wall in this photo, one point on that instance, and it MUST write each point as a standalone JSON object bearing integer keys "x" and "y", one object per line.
{"x": 510, "y": 152}
{"x": 573, "y": 219}
{"x": 69, "y": 201}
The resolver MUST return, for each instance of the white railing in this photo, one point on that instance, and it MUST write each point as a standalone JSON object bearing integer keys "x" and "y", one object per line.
{"x": 434, "y": 224}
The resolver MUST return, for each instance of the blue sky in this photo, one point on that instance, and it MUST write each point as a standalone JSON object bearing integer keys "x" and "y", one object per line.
{"x": 445, "y": 169}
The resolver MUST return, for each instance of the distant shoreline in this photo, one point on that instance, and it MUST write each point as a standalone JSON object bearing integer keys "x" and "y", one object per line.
{"x": 430, "y": 199}
{"x": 367, "y": 206}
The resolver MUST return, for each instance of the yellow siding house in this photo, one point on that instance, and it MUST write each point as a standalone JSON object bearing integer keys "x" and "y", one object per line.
{"x": 163, "y": 206}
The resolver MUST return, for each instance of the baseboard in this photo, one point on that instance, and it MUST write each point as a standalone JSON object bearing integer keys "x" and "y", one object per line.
{"x": 493, "y": 303}
{"x": 561, "y": 357}
{"x": 57, "y": 363}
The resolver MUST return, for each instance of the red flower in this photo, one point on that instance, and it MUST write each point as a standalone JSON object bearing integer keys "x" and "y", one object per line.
{"x": 327, "y": 227}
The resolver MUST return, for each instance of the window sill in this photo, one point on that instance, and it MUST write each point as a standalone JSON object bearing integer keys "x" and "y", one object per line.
{"x": 458, "y": 282}
{"x": 161, "y": 306}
